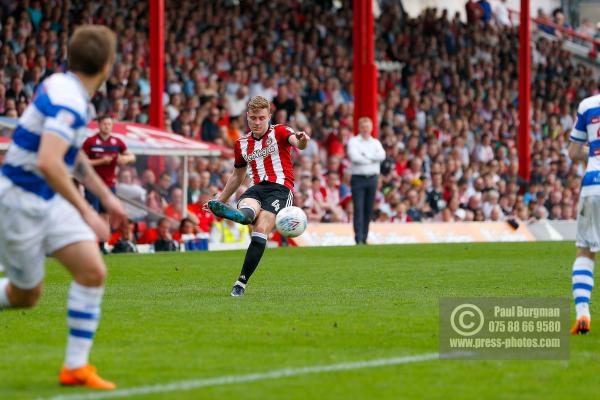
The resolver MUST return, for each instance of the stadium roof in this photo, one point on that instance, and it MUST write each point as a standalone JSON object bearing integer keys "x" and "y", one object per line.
{"x": 141, "y": 140}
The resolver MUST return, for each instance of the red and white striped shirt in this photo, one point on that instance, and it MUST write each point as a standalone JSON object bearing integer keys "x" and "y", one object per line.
{"x": 267, "y": 158}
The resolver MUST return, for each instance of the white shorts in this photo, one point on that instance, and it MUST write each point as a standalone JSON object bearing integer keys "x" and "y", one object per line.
{"x": 588, "y": 223}
{"x": 30, "y": 230}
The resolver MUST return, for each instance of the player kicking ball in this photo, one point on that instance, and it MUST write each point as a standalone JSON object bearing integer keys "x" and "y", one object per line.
{"x": 264, "y": 155}
{"x": 586, "y": 132}
{"x": 43, "y": 212}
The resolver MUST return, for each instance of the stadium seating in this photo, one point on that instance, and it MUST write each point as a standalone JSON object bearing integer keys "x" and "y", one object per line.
{"x": 449, "y": 112}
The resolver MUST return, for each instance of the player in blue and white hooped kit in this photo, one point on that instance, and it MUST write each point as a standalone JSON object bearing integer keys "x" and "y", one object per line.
{"x": 585, "y": 144}
{"x": 43, "y": 213}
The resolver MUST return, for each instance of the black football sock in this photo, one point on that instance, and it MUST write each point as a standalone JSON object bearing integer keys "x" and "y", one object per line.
{"x": 253, "y": 256}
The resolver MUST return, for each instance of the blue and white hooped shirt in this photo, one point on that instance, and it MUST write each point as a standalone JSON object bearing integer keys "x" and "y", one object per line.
{"x": 587, "y": 131}
{"x": 61, "y": 107}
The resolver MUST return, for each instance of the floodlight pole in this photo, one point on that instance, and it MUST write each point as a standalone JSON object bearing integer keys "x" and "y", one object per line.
{"x": 364, "y": 69}
{"x": 523, "y": 146}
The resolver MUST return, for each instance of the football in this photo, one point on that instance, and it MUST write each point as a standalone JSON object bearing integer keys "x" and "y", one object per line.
{"x": 291, "y": 222}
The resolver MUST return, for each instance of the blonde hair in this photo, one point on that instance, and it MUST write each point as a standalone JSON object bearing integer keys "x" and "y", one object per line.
{"x": 257, "y": 103}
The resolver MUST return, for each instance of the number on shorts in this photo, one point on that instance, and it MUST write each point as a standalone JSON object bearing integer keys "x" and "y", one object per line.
{"x": 275, "y": 205}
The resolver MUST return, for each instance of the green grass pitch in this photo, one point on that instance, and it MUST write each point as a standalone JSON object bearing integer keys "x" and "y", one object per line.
{"x": 169, "y": 318}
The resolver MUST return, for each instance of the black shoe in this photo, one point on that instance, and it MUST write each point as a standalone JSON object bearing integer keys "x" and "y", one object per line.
{"x": 238, "y": 290}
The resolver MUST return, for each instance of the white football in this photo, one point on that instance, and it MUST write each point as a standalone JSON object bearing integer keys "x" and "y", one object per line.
{"x": 291, "y": 222}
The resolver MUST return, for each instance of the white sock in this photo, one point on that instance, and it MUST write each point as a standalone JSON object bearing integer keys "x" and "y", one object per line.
{"x": 4, "y": 303}
{"x": 83, "y": 311}
{"x": 583, "y": 283}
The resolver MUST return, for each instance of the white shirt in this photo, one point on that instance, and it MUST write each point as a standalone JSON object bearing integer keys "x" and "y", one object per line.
{"x": 587, "y": 131}
{"x": 502, "y": 15}
{"x": 60, "y": 107}
{"x": 366, "y": 155}
{"x": 235, "y": 106}
{"x": 135, "y": 193}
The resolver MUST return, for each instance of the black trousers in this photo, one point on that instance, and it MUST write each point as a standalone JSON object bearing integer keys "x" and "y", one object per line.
{"x": 363, "y": 198}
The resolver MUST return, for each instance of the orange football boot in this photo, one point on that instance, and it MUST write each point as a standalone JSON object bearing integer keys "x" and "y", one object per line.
{"x": 581, "y": 327}
{"x": 84, "y": 376}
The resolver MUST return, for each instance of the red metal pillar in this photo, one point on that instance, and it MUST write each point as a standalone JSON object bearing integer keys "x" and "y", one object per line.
{"x": 364, "y": 69}
{"x": 157, "y": 74}
{"x": 157, "y": 64}
{"x": 524, "y": 92}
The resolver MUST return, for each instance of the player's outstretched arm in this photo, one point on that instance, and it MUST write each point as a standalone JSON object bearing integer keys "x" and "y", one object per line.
{"x": 233, "y": 183}
{"x": 51, "y": 164}
{"x": 299, "y": 140}
{"x": 85, "y": 174}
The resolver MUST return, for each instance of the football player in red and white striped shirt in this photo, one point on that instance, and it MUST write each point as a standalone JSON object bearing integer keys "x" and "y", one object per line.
{"x": 264, "y": 155}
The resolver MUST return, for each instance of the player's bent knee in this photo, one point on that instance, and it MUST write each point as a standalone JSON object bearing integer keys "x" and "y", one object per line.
{"x": 254, "y": 205}
{"x": 92, "y": 277}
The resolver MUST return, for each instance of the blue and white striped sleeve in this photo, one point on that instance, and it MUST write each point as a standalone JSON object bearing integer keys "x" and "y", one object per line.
{"x": 60, "y": 118}
{"x": 579, "y": 131}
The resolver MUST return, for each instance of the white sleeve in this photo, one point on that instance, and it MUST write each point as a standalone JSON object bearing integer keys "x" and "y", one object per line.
{"x": 379, "y": 151}
{"x": 62, "y": 124}
{"x": 579, "y": 131}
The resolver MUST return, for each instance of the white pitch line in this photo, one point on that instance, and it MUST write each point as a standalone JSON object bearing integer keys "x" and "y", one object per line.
{"x": 232, "y": 379}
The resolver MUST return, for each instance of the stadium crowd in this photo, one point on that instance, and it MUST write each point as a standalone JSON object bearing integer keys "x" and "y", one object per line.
{"x": 448, "y": 118}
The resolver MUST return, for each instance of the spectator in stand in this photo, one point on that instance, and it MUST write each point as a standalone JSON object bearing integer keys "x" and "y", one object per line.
{"x": 164, "y": 240}
{"x": 205, "y": 219}
{"x": 174, "y": 209}
{"x": 457, "y": 85}
{"x": 226, "y": 231}
{"x": 148, "y": 179}
{"x": 331, "y": 197}
{"x": 186, "y": 231}
{"x": 210, "y": 128}
{"x": 188, "y": 236}
{"x": 236, "y": 104}
{"x": 559, "y": 19}
{"x": 474, "y": 12}
{"x": 154, "y": 207}
{"x": 182, "y": 121}
{"x": 486, "y": 8}
{"x": 164, "y": 188}
{"x": 502, "y": 14}
{"x": 194, "y": 188}
{"x": 128, "y": 190}
{"x": 126, "y": 240}
{"x": 587, "y": 28}
{"x": 283, "y": 102}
